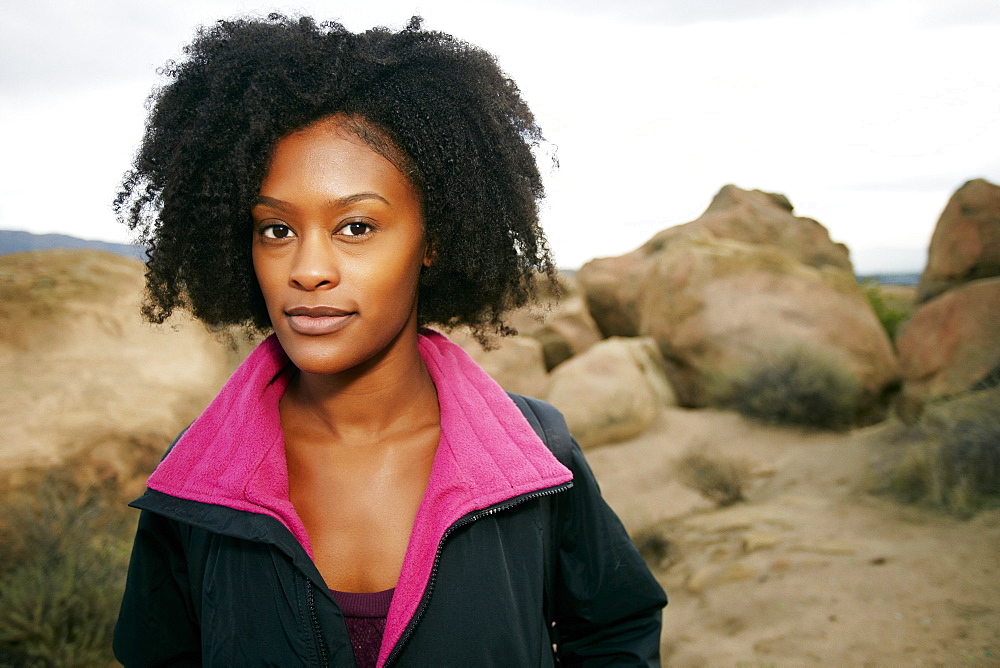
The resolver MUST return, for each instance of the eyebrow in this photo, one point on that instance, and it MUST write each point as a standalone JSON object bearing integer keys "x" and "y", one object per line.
{"x": 338, "y": 202}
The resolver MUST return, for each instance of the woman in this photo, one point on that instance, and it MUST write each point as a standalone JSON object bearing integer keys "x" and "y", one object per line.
{"x": 360, "y": 493}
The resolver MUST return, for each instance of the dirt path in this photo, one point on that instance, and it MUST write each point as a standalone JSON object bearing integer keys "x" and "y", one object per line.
{"x": 811, "y": 569}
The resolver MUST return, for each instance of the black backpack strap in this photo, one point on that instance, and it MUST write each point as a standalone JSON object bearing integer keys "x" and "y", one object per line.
{"x": 551, "y": 427}
{"x": 549, "y": 424}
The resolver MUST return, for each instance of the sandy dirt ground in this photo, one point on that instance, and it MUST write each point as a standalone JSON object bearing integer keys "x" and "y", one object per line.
{"x": 811, "y": 569}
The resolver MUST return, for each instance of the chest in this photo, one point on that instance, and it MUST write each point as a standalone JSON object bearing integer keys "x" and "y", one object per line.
{"x": 359, "y": 511}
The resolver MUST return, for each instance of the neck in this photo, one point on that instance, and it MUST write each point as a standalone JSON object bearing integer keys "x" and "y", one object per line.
{"x": 386, "y": 394}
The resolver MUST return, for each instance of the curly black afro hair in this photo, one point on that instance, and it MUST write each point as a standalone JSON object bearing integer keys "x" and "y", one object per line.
{"x": 464, "y": 133}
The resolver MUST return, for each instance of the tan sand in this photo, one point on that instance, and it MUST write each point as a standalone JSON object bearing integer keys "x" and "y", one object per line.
{"x": 812, "y": 569}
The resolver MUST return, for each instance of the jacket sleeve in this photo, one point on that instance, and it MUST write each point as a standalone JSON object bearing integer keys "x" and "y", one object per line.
{"x": 607, "y": 604}
{"x": 157, "y": 624}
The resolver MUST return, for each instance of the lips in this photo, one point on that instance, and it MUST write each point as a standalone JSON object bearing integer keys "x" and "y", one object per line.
{"x": 318, "y": 320}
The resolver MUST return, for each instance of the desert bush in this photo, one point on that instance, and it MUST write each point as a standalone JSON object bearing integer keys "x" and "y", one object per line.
{"x": 654, "y": 547}
{"x": 720, "y": 479}
{"x": 891, "y": 312}
{"x": 952, "y": 463}
{"x": 990, "y": 380}
{"x": 62, "y": 570}
{"x": 797, "y": 387}
{"x": 911, "y": 477}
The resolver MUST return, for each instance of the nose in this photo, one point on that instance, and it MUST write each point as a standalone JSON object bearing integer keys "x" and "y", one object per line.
{"x": 315, "y": 265}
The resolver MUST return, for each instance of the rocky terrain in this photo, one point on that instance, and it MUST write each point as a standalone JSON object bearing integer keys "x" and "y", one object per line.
{"x": 812, "y": 569}
{"x": 656, "y": 357}
{"x": 88, "y": 384}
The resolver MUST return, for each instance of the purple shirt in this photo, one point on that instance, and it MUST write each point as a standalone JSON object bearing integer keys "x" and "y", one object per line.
{"x": 365, "y": 616}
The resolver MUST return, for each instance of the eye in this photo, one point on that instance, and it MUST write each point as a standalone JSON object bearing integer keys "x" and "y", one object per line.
{"x": 356, "y": 229}
{"x": 276, "y": 231}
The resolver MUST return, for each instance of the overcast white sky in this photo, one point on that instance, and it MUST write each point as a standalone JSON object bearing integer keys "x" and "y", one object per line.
{"x": 866, "y": 114}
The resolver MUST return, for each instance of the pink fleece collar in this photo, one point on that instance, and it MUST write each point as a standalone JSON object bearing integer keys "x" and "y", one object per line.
{"x": 234, "y": 455}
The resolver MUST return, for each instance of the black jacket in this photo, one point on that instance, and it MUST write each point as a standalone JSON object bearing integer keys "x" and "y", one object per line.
{"x": 215, "y": 585}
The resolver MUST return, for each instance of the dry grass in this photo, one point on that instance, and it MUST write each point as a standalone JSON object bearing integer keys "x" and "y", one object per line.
{"x": 654, "y": 547}
{"x": 951, "y": 458}
{"x": 796, "y": 387}
{"x": 63, "y": 557}
{"x": 718, "y": 478}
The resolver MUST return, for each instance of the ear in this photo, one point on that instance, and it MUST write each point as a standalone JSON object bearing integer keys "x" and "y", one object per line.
{"x": 430, "y": 255}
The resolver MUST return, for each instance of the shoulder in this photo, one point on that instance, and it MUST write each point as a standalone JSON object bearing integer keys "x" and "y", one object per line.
{"x": 549, "y": 424}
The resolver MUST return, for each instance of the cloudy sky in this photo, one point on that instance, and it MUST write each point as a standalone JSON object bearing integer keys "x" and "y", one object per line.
{"x": 866, "y": 114}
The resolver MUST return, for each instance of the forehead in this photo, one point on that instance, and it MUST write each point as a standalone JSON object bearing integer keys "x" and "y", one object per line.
{"x": 377, "y": 140}
{"x": 327, "y": 155}
{"x": 371, "y": 135}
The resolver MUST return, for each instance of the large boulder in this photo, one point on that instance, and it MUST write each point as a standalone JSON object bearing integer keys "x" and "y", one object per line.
{"x": 562, "y": 325}
{"x": 517, "y": 363}
{"x": 966, "y": 242}
{"x": 951, "y": 343}
{"x": 734, "y": 288}
{"x": 613, "y": 284}
{"x": 612, "y": 391}
{"x": 87, "y": 383}
{"x": 567, "y": 331}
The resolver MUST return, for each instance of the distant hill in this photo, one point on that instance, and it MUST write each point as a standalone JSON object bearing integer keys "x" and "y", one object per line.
{"x": 891, "y": 278}
{"x": 15, "y": 241}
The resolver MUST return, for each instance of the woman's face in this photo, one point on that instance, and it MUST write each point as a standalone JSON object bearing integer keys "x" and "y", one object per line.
{"x": 338, "y": 246}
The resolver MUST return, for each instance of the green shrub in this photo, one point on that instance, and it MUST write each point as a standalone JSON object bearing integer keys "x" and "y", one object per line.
{"x": 718, "y": 478}
{"x": 891, "y": 312}
{"x": 798, "y": 388}
{"x": 62, "y": 570}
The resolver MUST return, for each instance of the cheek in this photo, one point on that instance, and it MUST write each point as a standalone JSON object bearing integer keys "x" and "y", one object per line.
{"x": 396, "y": 270}
{"x": 257, "y": 272}
{"x": 410, "y": 271}
{"x": 264, "y": 274}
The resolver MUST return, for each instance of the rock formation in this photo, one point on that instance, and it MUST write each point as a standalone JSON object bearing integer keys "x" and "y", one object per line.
{"x": 86, "y": 382}
{"x": 564, "y": 327}
{"x": 612, "y": 391}
{"x": 952, "y": 342}
{"x": 733, "y": 289}
{"x": 966, "y": 241}
{"x": 517, "y": 363}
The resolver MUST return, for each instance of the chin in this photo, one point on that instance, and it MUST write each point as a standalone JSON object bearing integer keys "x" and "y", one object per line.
{"x": 319, "y": 355}
{"x": 338, "y": 353}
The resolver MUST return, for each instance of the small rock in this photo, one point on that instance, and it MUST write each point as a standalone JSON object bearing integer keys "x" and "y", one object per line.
{"x": 711, "y": 575}
{"x": 701, "y": 579}
{"x": 736, "y": 572}
{"x": 803, "y": 501}
{"x": 742, "y": 517}
{"x": 719, "y": 554}
{"x": 760, "y": 540}
{"x": 828, "y": 547}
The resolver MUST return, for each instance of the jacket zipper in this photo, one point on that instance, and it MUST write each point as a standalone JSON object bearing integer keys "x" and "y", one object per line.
{"x": 468, "y": 519}
{"x": 311, "y": 601}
